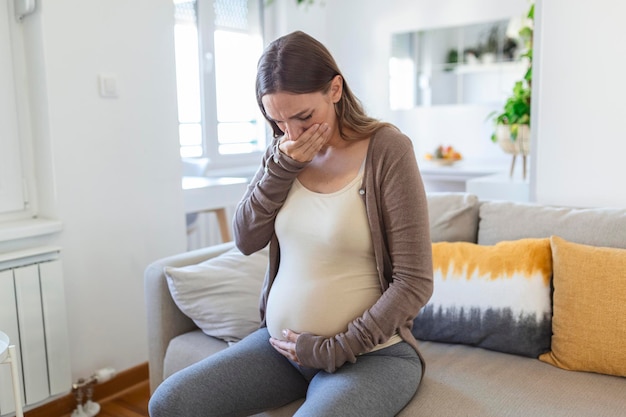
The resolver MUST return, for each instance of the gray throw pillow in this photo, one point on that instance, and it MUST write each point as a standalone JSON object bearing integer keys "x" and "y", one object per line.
{"x": 453, "y": 217}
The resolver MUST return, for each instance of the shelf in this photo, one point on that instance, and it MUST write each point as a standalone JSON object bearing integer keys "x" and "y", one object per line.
{"x": 21, "y": 229}
{"x": 491, "y": 67}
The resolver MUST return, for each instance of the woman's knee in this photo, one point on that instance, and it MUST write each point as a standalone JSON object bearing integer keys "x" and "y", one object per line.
{"x": 157, "y": 407}
{"x": 378, "y": 384}
{"x": 165, "y": 402}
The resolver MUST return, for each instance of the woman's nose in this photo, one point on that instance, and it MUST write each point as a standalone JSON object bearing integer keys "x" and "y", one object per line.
{"x": 293, "y": 131}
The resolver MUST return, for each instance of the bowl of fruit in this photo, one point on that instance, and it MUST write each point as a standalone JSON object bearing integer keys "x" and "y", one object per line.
{"x": 444, "y": 155}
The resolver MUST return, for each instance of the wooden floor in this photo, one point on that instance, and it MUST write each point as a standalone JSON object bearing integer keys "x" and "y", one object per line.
{"x": 131, "y": 403}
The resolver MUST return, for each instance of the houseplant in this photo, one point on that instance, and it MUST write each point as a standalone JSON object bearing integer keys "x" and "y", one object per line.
{"x": 512, "y": 124}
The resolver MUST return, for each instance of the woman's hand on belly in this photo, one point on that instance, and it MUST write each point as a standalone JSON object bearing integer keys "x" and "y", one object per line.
{"x": 287, "y": 347}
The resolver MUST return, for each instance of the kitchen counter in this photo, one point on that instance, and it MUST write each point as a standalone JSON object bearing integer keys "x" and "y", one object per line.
{"x": 439, "y": 178}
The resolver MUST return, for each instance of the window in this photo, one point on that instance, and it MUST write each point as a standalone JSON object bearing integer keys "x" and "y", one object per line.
{"x": 11, "y": 185}
{"x": 218, "y": 44}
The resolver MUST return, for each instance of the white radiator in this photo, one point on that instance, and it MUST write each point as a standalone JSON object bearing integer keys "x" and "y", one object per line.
{"x": 33, "y": 315}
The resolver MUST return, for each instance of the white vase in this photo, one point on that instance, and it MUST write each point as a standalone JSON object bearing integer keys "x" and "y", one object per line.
{"x": 488, "y": 58}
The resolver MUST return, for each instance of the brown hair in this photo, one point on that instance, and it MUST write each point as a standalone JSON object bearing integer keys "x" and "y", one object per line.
{"x": 297, "y": 63}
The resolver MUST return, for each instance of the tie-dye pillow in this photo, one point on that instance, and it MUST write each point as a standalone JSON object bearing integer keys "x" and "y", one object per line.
{"x": 495, "y": 297}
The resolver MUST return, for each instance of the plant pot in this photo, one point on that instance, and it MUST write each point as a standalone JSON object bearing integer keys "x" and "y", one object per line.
{"x": 518, "y": 146}
{"x": 488, "y": 58}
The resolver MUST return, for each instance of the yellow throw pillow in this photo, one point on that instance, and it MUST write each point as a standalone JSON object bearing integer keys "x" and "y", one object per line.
{"x": 495, "y": 297}
{"x": 589, "y": 308}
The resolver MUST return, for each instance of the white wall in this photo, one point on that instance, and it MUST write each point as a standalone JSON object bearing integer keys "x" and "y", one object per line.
{"x": 579, "y": 87}
{"x": 581, "y": 140}
{"x": 285, "y": 16}
{"x": 109, "y": 169}
{"x": 358, "y": 33}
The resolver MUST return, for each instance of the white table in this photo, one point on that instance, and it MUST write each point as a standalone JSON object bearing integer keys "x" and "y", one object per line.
{"x": 213, "y": 195}
{"x": 453, "y": 178}
{"x": 8, "y": 356}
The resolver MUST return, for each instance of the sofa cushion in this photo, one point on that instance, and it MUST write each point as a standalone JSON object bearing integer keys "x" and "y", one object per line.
{"x": 495, "y": 297}
{"x": 453, "y": 217}
{"x": 221, "y": 295}
{"x": 500, "y": 220}
{"x": 589, "y": 321}
{"x": 188, "y": 348}
{"x": 465, "y": 381}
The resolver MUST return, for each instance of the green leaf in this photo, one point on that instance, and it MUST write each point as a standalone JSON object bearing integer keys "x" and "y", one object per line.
{"x": 516, "y": 109}
{"x": 526, "y": 32}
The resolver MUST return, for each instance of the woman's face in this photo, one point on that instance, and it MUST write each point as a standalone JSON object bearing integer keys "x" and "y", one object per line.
{"x": 295, "y": 113}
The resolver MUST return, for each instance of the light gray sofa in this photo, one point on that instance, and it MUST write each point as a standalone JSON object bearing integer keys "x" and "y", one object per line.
{"x": 460, "y": 380}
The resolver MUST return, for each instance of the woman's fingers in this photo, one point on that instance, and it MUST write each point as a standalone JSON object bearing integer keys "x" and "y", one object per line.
{"x": 290, "y": 335}
{"x": 307, "y": 145}
{"x": 287, "y": 347}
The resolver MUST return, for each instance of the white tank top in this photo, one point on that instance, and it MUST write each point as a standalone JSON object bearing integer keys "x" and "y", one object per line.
{"x": 327, "y": 275}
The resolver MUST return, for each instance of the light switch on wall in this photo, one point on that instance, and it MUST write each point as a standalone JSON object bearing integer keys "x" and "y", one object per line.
{"x": 107, "y": 84}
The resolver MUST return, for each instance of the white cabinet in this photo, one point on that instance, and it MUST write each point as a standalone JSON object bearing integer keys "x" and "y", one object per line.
{"x": 500, "y": 187}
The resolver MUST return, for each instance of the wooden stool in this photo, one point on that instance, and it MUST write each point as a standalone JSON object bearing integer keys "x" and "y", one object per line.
{"x": 222, "y": 221}
{"x": 213, "y": 195}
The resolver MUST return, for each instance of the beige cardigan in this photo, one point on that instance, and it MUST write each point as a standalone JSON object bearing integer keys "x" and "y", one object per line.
{"x": 397, "y": 211}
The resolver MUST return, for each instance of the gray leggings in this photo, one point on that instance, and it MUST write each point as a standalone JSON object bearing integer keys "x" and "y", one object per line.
{"x": 251, "y": 377}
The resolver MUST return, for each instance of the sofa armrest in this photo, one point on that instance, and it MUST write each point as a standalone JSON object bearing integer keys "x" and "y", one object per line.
{"x": 165, "y": 320}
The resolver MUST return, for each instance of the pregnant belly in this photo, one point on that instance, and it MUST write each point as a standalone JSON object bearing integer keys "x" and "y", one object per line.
{"x": 322, "y": 307}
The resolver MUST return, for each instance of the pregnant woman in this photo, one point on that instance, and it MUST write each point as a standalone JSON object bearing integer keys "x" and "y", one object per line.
{"x": 340, "y": 201}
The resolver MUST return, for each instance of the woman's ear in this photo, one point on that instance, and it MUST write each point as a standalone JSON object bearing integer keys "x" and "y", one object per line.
{"x": 336, "y": 88}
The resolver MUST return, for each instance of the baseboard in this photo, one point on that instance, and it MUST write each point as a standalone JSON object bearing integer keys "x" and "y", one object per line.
{"x": 121, "y": 382}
